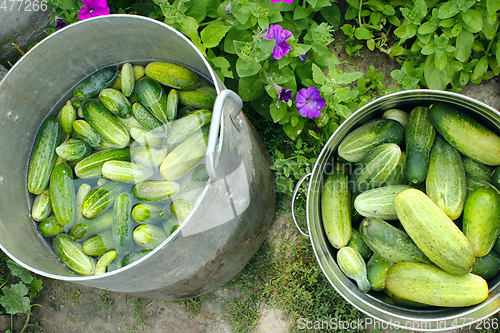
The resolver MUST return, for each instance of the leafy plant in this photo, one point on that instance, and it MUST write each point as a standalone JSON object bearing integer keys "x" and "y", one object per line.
{"x": 440, "y": 44}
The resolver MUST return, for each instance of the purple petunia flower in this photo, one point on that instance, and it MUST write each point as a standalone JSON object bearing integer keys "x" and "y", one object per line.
{"x": 60, "y": 23}
{"x": 285, "y": 95}
{"x": 92, "y": 8}
{"x": 303, "y": 57}
{"x": 287, "y": 1}
{"x": 228, "y": 9}
{"x": 309, "y": 102}
{"x": 280, "y": 35}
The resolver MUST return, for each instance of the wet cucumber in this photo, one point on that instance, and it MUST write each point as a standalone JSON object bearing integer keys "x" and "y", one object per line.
{"x": 398, "y": 115}
{"x": 134, "y": 256}
{"x": 86, "y": 228}
{"x": 122, "y": 223}
{"x": 83, "y": 131}
{"x": 379, "y": 202}
{"x": 144, "y": 117}
{"x": 460, "y": 130}
{"x": 148, "y": 236}
{"x": 98, "y": 244}
{"x": 41, "y": 207}
{"x": 72, "y": 255}
{"x": 66, "y": 117}
{"x": 104, "y": 261}
{"x": 152, "y": 96}
{"x": 431, "y": 285}
{"x": 43, "y": 156}
{"x": 172, "y": 75}
{"x": 146, "y": 213}
{"x": 155, "y": 190}
{"x": 101, "y": 198}
{"x": 127, "y": 172}
{"x": 91, "y": 166}
{"x": 351, "y": 263}
{"x": 172, "y": 104}
{"x": 115, "y": 102}
{"x": 182, "y": 128}
{"x": 200, "y": 98}
{"x": 419, "y": 137}
{"x": 73, "y": 150}
{"x": 148, "y": 156}
{"x": 103, "y": 122}
{"x": 50, "y": 227}
{"x": 91, "y": 86}
{"x": 481, "y": 219}
{"x": 181, "y": 209}
{"x": 62, "y": 193}
{"x": 127, "y": 76}
{"x": 336, "y": 209}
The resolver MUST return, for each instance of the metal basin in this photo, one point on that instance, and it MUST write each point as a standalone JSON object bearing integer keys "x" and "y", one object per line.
{"x": 230, "y": 219}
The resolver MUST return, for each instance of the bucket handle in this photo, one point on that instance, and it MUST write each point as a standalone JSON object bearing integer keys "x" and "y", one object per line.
{"x": 294, "y": 196}
{"x": 213, "y": 135}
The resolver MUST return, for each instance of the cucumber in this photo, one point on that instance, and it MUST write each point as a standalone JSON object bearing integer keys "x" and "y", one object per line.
{"x": 357, "y": 243}
{"x": 172, "y": 104}
{"x": 91, "y": 166}
{"x": 377, "y": 268}
{"x": 487, "y": 266}
{"x": 147, "y": 213}
{"x": 43, "y": 155}
{"x": 92, "y": 85}
{"x": 115, "y": 102}
{"x": 397, "y": 176}
{"x": 182, "y": 128}
{"x": 155, "y": 190}
{"x": 98, "y": 244}
{"x": 134, "y": 256}
{"x": 81, "y": 194}
{"x": 481, "y": 220}
{"x": 86, "y": 228}
{"x": 127, "y": 75}
{"x": 103, "y": 122}
{"x": 72, "y": 255}
{"x": 393, "y": 244}
{"x": 66, "y": 117}
{"x": 148, "y": 156}
{"x": 50, "y": 227}
{"x": 495, "y": 178}
{"x": 474, "y": 169}
{"x": 184, "y": 157}
{"x": 446, "y": 181}
{"x": 460, "y": 130}
{"x": 73, "y": 150}
{"x": 336, "y": 209}
{"x": 376, "y": 168}
{"x": 379, "y": 202}
{"x": 419, "y": 137}
{"x": 62, "y": 193}
{"x": 191, "y": 190}
{"x": 146, "y": 138}
{"x": 172, "y": 75}
{"x": 398, "y": 115}
{"x": 144, "y": 117}
{"x": 358, "y": 143}
{"x": 351, "y": 263}
{"x": 104, "y": 261}
{"x": 202, "y": 97}
{"x": 83, "y": 131}
{"x": 127, "y": 172}
{"x": 473, "y": 183}
{"x": 200, "y": 173}
{"x": 431, "y": 285}
{"x": 181, "y": 209}
{"x": 152, "y": 96}
{"x": 122, "y": 223}
{"x": 148, "y": 236}
{"x": 434, "y": 232}
{"x": 101, "y": 198}
{"x": 139, "y": 72}
{"x": 41, "y": 208}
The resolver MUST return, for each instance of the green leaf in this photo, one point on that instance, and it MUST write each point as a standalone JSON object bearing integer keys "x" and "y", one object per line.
{"x": 464, "y": 43}
{"x": 497, "y": 53}
{"x": 397, "y": 50}
{"x": 294, "y": 131}
{"x": 213, "y": 34}
{"x": 348, "y": 30}
{"x": 19, "y": 271}
{"x": 332, "y": 15}
{"x": 473, "y": 19}
{"x": 35, "y": 286}
{"x": 406, "y": 31}
{"x": 300, "y": 13}
{"x": 247, "y": 67}
{"x": 250, "y": 88}
{"x": 14, "y": 299}
{"x": 440, "y": 61}
{"x": 353, "y": 3}
{"x": 428, "y": 49}
{"x": 492, "y": 6}
{"x": 342, "y": 110}
{"x": 224, "y": 65}
{"x": 363, "y": 33}
{"x": 426, "y": 28}
{"x": 318, "y": 75}
{"x": 240, "y": 12}
{"x": 278, "y": 111}
{"x": 436, "y": 79}
{"x": 447, "y": 10}
{"x": 479, "y": 70}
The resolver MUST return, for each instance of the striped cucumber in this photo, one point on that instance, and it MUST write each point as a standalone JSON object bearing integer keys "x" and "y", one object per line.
{"x": 127, "y": 172}
{"x": 86, "y": 228}
{"x": 72, "y": 255}
{"x": 91, "y": 166}
{"x": 379, "y": 202}
{"x": 83, "y": 131}
{"x": 152, "y": 96}
{"x": 351, "y": 263}
{"x": 104, "y": 261}
{"x": 73, "y": 150}
{"x": 127, "y": 76}
{"x": 148, "y": 236}
{"x": 115, "y": 102}
{"x": 101, "y": 198}
{"x": 41, "y": 208}
{"x": 98, "y": 244}
{"x": 91, "y": 86}
{"x": 62, "y": 193}
{"x": 155, "y": 190}
{"x": 172, "y": 75}
{"x": 122, "y": 223}
{"x": 182, "y": 128}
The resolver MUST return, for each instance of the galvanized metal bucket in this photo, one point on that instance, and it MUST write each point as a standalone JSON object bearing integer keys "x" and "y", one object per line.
{"x": 377, "y": 305}
{"x": 230, "y": 219}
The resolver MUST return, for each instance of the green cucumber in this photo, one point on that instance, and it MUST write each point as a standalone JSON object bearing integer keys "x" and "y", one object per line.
{"x": 148, "y": 236}
{"x": 103, "y": 122}
{"x": 43, "y": 155}
{"x": 146, "y": 213}
{"x": 115, "y": 102}
{"x": 336, "y": 209}
{"x": 155, "y": 190}
{"x": 393, "y": 244}
{"x": 83, "y": 131}
{"x": 379, "y": 202}
{"x": 104, "y": 261}
{"x": 72, "y": 255}
{"x": 182, "y": 128}
{"x": 66, "y": 117}
{"x": 50, "y": 227}
{"x": 152, "y": 96}
{"x": 172, "y": 104}
{"x": 446, "y": 181}
{"x": 144, "y": 117}
{"x": 101, "y": 198}
{"x": 357, "y": 243}
{"x": 200, "y": 173}
{"x": 91, "y": 166}
{"x": 139, "y": 72}
{"x": 377, "y": 268}
{"x": 41, "y": 208}
{"x": 172, "y": 75}
{"x": 92, "y": 85}
{"x": 397, "y": 176}
{"x": 495, "y": 178}
{"x": 122, "y": 223}
{"x": 419, "y": 137}
{"x": 86, "y": 228}
{"x": 351, "y": 263}
{"x": 127, "y": 172}
{"x": 73, "y": 150}
{"x": 134, "y": 256}
{"x": 148, "y": 156}
{"x": 398, "y": 115}
{"x": 62, "y": 193}
{"x": 358, "y": 143}
{"x": 202, "y": 97}
{"x": 461, "y": 130}
{"x": 184, "y": 157}
{"x": 147, "y": 138}
{"x": 191, "y": 190}
{"x": 181, "y": 209}
{"x": 127, "y": 75}
{"x": 98, "y": 244}
{"x": 477, "y": 170}
{"x": 481, "y": 219}
{"x": 487, "y": 266}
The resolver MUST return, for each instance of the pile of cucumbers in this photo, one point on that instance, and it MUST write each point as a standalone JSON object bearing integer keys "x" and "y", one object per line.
{"x": 121, "y": 166}
{"x": 412, "y": 206}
